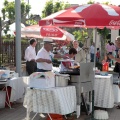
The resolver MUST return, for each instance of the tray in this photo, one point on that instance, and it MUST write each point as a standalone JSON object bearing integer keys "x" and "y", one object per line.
{"x": 66, "y": 60}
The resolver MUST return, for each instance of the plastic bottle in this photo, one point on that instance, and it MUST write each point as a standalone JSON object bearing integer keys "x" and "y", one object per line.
{"x": 105, "y": 66}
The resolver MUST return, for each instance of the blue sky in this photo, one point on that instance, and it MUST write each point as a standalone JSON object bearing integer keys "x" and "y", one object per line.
{"x": 38, "y": 5}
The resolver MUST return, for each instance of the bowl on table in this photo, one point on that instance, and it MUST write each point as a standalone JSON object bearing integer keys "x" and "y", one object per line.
{"x": 103, "y": 73}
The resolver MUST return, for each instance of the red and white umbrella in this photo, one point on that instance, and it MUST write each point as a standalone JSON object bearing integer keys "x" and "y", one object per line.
{"x": 46, "y": 31}
{"x": 55, "y": 33}
{"x": 89, "y": 15}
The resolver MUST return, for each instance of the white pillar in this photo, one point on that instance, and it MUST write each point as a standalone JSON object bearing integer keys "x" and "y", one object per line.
{"x": 114, "y": 34}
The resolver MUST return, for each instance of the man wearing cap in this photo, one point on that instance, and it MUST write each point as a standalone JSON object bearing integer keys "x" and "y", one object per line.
{"x": 30, "y": 55}
{"x": 44, "y": 56}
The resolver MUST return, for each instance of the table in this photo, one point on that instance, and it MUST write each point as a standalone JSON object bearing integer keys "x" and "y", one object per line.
{"x": 116, "y": 86}
{"x": 5, "y": 87}
{"x": 116, "y": 90}
{"x": 59, "y": 100}
{"x": 103, "y": 86}
{"x": 17, "y": 90}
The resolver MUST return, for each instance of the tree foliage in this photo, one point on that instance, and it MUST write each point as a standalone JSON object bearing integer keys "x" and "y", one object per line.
{"x": 52, "y": 7}
{"x": 80, "y": 35}
{"x": 8, "y": 13}
{"x": 103, "y": 35}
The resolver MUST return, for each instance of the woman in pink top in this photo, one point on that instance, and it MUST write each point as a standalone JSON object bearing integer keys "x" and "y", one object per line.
{"x": 109, "y": 48}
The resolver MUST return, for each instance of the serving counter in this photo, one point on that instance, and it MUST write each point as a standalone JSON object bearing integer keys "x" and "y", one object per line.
{"x": 59, "y": 100}
{"x": 104, "y": 96}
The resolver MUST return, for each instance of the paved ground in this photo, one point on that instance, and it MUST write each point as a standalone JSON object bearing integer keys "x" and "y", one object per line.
{"x": 18, "y": 112}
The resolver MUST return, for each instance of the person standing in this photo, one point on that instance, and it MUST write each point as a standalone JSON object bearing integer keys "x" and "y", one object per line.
{"x": 109, "y": 48}
{"x": 97, "y": 55}
{"x": 30, "y": 55}
{"x": 80, "y": 56}
{"x": 117, "y": 43}
{"x": 44, "y": 56}
{"x": 92, "y": 52}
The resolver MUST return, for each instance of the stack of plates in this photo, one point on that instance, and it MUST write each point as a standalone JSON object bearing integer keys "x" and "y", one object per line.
{"x": 66, "y": 60}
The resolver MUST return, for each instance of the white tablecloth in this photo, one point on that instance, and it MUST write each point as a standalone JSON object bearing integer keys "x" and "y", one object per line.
{"x": 116, "y": 90}
{"x": 59, "y": 100}
{"x": 17, "y": 90}
{"x": 26, "y": 80}
{"x": 103, "y": 86}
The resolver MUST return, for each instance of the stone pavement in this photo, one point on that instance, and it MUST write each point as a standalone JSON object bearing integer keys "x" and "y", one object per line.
{"x": 18, "y": 112}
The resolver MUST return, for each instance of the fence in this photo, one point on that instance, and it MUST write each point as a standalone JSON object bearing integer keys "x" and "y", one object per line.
{"x": 8, "y": 52}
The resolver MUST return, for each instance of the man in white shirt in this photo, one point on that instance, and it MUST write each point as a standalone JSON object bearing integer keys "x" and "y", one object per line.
{"x": 44, "y": 56}
{"x": 30, "y": 55}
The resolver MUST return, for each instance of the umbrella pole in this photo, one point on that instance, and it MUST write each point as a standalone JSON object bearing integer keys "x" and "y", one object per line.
{"x": 92, "y": 114}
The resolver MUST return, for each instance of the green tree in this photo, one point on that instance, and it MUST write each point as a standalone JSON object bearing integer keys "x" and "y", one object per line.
{"x": 8, "y": 13}
{"x": 103, "y": 37}
{"x": 52, "y": 7}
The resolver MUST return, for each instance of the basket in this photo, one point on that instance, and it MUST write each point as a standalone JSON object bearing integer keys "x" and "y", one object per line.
{"x": 55, "y": 117}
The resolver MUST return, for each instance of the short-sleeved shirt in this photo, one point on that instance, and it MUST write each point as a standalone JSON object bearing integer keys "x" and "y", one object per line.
{"x": 92, "y": 49}
{"x": 30, "y": 53}
{"x": 42, "y": 53}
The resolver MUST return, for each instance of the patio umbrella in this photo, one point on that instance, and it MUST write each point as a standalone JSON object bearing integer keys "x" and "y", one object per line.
{"x": 89, "y": 15}
{"x": 56, "y": 33}
{"x": 46, "y": 31}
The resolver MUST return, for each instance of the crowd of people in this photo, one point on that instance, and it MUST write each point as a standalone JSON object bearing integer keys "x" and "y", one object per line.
{"x": 42, "y": 61}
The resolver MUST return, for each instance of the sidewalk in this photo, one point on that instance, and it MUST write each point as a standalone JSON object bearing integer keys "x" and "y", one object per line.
{"x": 18, "y": 112}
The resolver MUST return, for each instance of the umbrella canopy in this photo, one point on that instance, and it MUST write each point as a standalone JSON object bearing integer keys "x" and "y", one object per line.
{"x": 89, "y": 15}
{"x": 46, "y": 31}
{"x": 56, "y": 33}
{"x": 31, "y": 31}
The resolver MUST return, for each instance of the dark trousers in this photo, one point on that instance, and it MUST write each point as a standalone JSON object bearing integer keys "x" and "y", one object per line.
{"x": 92, "y": 57}
{"x": 31, "y": 67}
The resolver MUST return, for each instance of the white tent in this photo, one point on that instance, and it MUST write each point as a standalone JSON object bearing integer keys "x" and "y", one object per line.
{"x": 12, "y": 30}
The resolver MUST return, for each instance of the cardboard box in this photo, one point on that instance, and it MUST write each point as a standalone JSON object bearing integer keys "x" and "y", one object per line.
{"x": 42, "y": 80}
